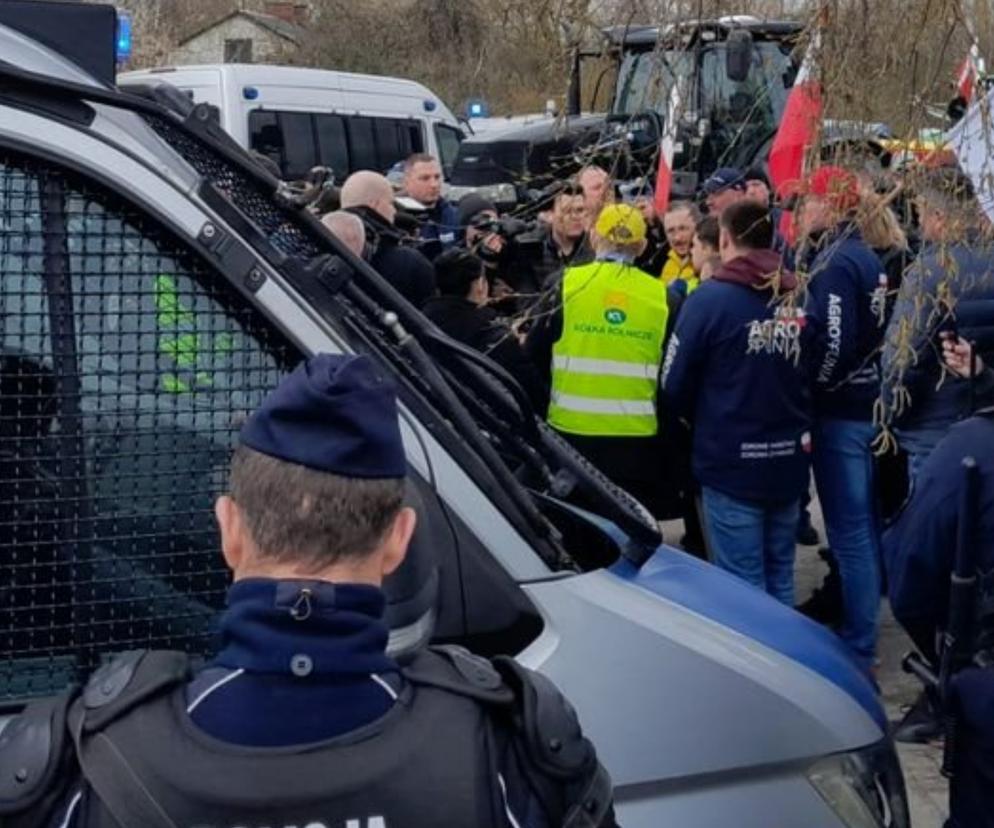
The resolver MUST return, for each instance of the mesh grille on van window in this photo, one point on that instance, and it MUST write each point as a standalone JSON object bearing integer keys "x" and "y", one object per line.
{"x": 126, "y": 368}
{"x": 278, "y": 224}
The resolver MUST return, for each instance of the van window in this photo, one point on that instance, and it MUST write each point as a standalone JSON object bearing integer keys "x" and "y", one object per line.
{"x": 299, "y": 151}
{"x": 127, "y": 366}
{"x": 265, "y": 136}
{"x": 362, "y": 144}
{"x": 333, "y": 148}
{"x": 297, "y": 141}
{"x": 448, "y": 139}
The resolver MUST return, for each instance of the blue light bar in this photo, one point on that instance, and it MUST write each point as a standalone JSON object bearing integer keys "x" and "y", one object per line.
{"x": 429, "y": 105}
{"x": 477, "y": 109}
{"x": 123, "y": 36}
{"x": 250, "y": 93}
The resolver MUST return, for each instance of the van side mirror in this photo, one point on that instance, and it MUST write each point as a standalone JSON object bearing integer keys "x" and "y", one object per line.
{"x": 738, "y": 55}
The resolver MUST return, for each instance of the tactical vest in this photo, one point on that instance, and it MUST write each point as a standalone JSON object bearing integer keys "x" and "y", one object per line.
{"x": 605, "y": 369}
{"x": 439, "y": 757}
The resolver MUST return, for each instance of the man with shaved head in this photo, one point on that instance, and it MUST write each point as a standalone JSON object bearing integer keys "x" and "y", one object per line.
{"x": 348, "y": 229}
{"x": 369, "y": 196}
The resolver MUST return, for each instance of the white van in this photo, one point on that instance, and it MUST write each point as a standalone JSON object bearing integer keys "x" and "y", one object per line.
{"x": 304, "y": 117}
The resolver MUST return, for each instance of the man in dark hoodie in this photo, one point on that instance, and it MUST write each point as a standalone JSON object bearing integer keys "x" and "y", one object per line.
{"x": 733, "y": 370}
{"x": 847, "y": 297}
{"x": 369, "y": 196}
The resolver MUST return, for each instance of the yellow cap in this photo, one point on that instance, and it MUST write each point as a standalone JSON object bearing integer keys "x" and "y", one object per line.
{"x": 621, "y": 224}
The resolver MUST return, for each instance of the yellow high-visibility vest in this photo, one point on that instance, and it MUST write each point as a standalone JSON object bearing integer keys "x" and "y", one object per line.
{"x": 605, "y": 366}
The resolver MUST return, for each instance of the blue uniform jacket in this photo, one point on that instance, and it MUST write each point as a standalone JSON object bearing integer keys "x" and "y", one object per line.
{"x": 846, "y": 309}
{"x": 300, "y": 661}
{"x": 442, "y": 224}
{"x": 735, "y": 370}
{"x": 919, "y": 552}
{"x": 948, "y": 288}
{"x": 920, "y": 546}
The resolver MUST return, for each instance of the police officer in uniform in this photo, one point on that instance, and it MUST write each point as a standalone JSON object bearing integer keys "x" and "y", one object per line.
{"x": 602, "y": 344}
{"x": 919, "y": 552}
{"x": 302, "y": 718}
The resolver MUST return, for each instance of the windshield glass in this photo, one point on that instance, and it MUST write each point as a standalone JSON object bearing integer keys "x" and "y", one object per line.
{"x": 744, "y": 114}
{"x": 646, "y": 78}
{"x": 752, "y": 107}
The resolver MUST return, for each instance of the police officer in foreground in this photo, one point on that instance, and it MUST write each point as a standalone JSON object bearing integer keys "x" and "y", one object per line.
{"x": 302, "y": 718}
{"x": 919, "y": 551}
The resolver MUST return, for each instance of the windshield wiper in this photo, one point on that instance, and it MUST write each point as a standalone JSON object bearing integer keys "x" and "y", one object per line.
{"x": 174, "y": 111}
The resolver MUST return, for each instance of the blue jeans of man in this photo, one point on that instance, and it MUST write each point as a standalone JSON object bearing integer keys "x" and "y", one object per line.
{"x": 843, "y": 466}
{"x": 755, "y": 541}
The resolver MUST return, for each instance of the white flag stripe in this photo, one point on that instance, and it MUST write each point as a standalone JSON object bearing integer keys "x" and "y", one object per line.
{"x": 596, "y": 405}
{"x": 607, "y": 367}
{"x": 972, "y": 139}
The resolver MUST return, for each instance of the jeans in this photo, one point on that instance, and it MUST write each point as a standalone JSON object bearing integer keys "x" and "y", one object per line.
{"x": 753, "y": 540}
{"x": 843, "y": 466}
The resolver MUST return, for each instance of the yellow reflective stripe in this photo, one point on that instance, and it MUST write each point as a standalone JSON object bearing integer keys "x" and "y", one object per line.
{"x": 606, "y": 367}
{"x": 596, "y": 405}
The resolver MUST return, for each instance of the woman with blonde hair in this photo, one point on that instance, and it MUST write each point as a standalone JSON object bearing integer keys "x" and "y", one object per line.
{"x": 882, "y": 231}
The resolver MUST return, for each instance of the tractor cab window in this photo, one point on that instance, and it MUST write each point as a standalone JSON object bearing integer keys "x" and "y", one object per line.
{"x": 646, "y": 80}
{"x": 743, "y": 115}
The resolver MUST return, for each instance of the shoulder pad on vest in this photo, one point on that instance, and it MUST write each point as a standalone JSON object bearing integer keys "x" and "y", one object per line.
{"x": 31, "y": 754}
{"x": 456, "y": 669}
{"x": 549, "y": 723}
{"x": 128, "y": 680}
{"x": 565, "y": 774}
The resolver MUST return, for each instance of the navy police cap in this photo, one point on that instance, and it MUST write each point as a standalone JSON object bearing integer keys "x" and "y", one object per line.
{"x": 723, "y": 179}
{"x": 334, "y": 414}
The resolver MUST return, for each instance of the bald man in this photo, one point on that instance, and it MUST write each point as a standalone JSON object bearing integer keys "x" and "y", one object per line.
{"x": 348, "y": 229}
{"x": 369, "y": 196}
{"x": 370, "y": 190}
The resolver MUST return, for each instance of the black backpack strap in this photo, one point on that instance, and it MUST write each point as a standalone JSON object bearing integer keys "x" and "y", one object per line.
{"x": 130, "y": 680}
{"x": 559, "y": 762}
{"x": 35, "y": 760}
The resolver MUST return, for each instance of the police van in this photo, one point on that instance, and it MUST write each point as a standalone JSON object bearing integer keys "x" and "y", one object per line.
{"x": 157, "y": 285}
{"x": 301, "y": 118}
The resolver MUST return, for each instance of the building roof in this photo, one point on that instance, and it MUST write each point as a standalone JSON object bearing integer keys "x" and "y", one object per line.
{"x": 279, "y": 27}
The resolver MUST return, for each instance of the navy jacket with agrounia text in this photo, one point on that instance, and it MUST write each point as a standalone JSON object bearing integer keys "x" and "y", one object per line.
{"x": 846, "y": 310}
{"x": 735, "y": 370}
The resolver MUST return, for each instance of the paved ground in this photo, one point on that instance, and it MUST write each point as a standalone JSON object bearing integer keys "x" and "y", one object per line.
{"x": 927, "y": 790}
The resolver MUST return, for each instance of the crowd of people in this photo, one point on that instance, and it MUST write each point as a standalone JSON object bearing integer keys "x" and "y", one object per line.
{"x": 711, "y": 360}
{"x": 717, "y": 359}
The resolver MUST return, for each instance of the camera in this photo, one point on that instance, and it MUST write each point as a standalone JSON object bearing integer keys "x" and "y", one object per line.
{"x": 507, "y": 227}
